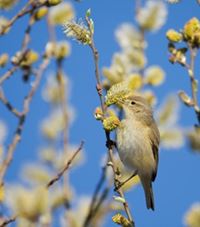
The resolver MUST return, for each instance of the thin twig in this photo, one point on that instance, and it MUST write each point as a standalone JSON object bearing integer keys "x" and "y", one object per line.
{"x": 101, "y": 200}
{"x": 8, "y": 221}
{"x": 25, "y": 10}
{"x": 11, "y": 148}
{"x": 21, "y": 13}
{"x": 26, "y": 39}
{"x": 194, "y": 89}
{"x": 99, "y": 86}
{"x": 8, "y": 105}
{"x": 8, "y": 74}
{"x": 11, "y": 71}
{"x": 63, "y": 102}
{"x": 62, "y": 90}
{"x": 92, "y": 208}
{"x": 137, "y": 7}
{"x": 95, "y": 53}
{"x": 66, "y": 167}
{"x": 192, "y": 76}
{"x": 38, "y": 76}
{"x": 51, "y": 30}
{"x": 23, "y": 51}
{"x": 98, "y": 205}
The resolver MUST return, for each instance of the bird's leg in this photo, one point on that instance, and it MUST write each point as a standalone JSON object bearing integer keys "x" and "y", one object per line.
{"x": 122, "y": 183}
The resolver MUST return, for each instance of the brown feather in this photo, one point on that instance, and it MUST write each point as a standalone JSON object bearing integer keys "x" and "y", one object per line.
{"x": 154, "y": 136}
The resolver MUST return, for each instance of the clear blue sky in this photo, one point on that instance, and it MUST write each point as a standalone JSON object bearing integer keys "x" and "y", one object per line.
{"x": 177, "y": 185}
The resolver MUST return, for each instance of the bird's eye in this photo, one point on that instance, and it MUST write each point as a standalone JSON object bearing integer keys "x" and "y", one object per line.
{"x": 133, "y": 103}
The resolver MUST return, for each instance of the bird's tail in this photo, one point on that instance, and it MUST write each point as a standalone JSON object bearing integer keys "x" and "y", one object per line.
{"x": 148, "y": 190}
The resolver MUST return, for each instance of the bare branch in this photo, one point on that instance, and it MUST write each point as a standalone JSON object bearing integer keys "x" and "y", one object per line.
{"x": 97, "y": 206}
{"x": 92, "y": 209}
{"x": 7, "y": 221}
{"x": 8, "y": 104}
{"x": 8, "y": 74}
{"x": 63, "y": 102}
{"x": 193, "y": 82}
{"x": 26, "y": 39}
{"x": 25, "y": 10}
{"x": 25, "y": 43}
{"x": 11, "y": 148}
{"x": 38, "y": 75}
{"x": 66, "y": 167}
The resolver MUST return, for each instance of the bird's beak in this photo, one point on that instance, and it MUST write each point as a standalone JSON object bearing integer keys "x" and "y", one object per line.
{"x": 120, "y": 102}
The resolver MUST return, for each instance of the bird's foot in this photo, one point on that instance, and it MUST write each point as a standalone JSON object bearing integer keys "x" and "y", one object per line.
{"x": 120, "y": 184}
{"x": 111, "y": 143}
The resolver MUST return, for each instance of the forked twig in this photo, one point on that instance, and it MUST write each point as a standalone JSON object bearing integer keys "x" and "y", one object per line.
{"x": 25, "y": 10}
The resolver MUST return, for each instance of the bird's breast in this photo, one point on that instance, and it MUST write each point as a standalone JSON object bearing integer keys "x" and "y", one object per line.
{"x": 133, "y": 145}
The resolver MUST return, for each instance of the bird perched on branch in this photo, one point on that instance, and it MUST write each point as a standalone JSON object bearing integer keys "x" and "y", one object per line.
{"x": 138, "y": 142}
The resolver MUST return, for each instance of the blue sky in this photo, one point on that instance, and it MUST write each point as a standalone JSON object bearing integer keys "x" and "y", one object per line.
{"x": 177, "y": 185}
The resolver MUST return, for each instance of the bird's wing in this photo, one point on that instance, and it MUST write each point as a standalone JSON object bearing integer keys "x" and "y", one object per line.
{"x": 154, "y": 136}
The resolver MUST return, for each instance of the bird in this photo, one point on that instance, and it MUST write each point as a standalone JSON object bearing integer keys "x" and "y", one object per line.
{"x": 137, "y": 140}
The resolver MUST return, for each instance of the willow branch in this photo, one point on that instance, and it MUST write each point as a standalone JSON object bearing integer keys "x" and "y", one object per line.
{"x": 26, "y": 39}
{"x": 97, "y": 207}
{"x": 192, "y": 76}
{"x": 63, "y": 103}
{"x": 8, "y": 105}
{"x": 11, "y": 71}
{"x": 66, "y": 167}
{"x": 38, "y": 76}
{"x": 107, "y": 134}
{"x": 51, "y": 30}
{"x": 98, "y": 85}
{"x": 137, "y": 6}
{"x": 25, "y": 10}
{"x": 194, "y": 89}
{"x": 17, "y": 136}
{"x": 8, "y": 74}
{"x": 23, "y": 51}
{"x": 7, "y": 221}
{"x": 93, "y": 205}
{"x": 62, "y": 90}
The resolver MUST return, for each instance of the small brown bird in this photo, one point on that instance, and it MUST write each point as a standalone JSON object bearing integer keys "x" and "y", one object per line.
{"x": 138, "y": 141}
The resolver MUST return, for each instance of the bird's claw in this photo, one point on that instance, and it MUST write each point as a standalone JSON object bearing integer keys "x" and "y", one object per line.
{"x": 110, "y": 143}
